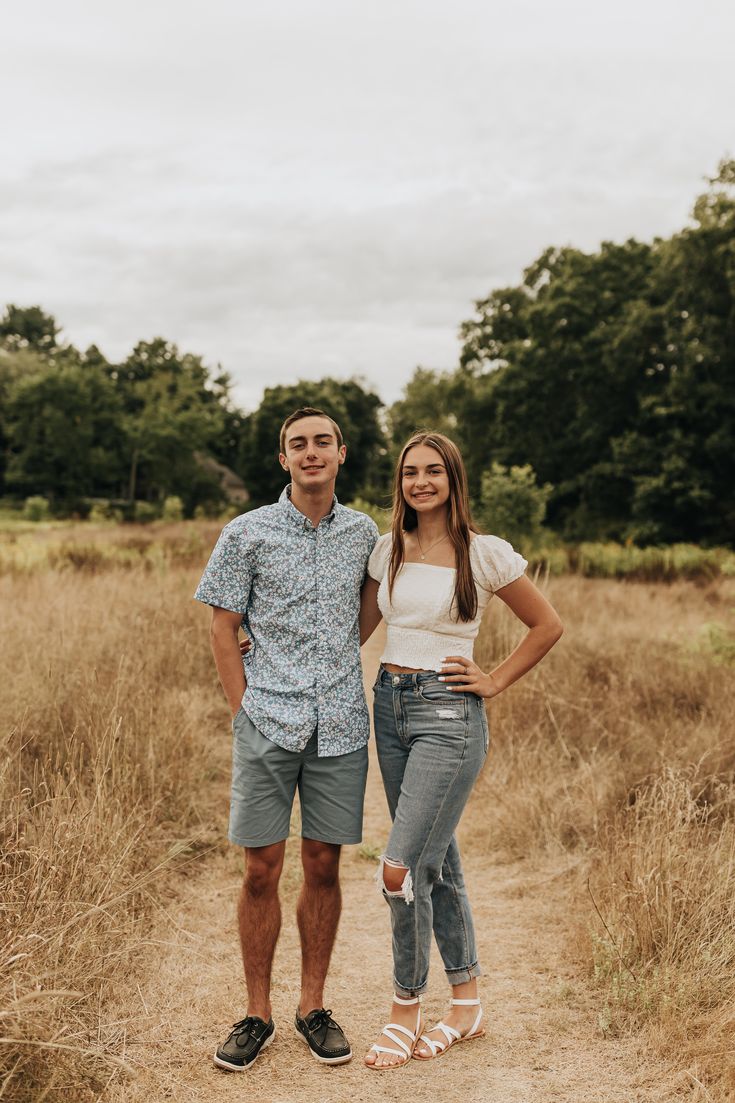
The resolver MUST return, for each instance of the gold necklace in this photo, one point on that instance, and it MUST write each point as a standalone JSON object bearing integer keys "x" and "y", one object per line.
{"x": 425, "y": 553}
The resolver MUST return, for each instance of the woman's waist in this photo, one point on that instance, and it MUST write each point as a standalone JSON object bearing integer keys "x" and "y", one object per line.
{"x": 409, "y": 650}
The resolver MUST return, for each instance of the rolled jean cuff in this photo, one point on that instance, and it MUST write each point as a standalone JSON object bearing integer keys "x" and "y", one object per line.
{"x": 461, "y": 976}
{"x": 409, "y": 993}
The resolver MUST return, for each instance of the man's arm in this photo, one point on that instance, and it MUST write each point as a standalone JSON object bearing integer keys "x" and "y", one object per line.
{"x": 223, "y": 637}
{"x": 370, "y": 615}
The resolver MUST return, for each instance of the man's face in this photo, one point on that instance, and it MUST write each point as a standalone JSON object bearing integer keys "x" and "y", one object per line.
{"x": 312, "y": 456}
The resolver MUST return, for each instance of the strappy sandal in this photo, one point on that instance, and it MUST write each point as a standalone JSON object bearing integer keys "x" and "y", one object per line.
{"x": 406, "y": 1050}
{"x": 437, "y": 1046}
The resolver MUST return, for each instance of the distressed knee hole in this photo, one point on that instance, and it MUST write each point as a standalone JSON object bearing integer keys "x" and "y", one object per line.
{"x": 394, "y": 879}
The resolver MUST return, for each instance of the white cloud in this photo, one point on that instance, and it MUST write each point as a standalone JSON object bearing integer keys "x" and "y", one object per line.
{"x": 293, "y": 189}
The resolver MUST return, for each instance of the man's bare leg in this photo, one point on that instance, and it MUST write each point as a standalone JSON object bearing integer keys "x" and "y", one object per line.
{"x": 259, "y": 919}
{"x": 317, "y": 912}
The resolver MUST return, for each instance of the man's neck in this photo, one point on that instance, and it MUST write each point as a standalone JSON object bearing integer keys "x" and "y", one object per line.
{"x": 314, "y": 505}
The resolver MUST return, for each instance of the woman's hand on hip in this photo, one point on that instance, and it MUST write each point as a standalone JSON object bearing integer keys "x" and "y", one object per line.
{"x": 464, "y": 676}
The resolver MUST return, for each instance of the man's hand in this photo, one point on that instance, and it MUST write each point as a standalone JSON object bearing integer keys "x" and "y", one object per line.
{"x": 223, "y": 633}
{"x": 370, "y": 615}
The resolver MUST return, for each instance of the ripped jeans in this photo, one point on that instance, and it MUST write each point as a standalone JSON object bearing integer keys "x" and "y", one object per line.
{"x": 431, "y": 746}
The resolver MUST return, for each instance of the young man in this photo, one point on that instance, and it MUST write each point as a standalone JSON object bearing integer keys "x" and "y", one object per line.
{"x": 290, "y": 575}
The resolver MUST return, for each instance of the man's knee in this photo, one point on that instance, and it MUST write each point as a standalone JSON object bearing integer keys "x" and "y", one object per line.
{"x": 263, "y": 865}
{"x": 320, "y": 862}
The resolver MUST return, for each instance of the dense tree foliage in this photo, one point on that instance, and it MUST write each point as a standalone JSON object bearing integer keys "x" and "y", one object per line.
{"x": 611, "y": 374}
{"x": 603, "y": 384}
{"x": 74, "y": 426}
{"x": 357, "y": 412}
{"x": 513, "y": 505}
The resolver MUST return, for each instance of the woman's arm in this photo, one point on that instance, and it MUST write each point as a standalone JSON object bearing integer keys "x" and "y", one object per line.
{"x": 544, "y": 628}
{"x": 370, "y": 615}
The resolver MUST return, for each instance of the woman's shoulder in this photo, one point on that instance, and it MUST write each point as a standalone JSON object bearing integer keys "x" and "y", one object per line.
{"x": 496, "y": 561}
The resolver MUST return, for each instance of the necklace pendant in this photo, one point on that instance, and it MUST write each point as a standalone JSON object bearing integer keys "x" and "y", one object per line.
{"x": 423, "y": 557}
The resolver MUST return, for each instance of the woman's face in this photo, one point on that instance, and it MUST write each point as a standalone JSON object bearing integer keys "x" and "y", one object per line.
{"x": 424, "y": 479}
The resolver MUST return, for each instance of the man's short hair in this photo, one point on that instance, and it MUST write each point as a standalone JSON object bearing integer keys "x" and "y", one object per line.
{"x": 308, "y": 411}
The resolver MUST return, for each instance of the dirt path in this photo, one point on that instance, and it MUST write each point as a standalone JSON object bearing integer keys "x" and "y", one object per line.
{"x": 543, "y": 1043}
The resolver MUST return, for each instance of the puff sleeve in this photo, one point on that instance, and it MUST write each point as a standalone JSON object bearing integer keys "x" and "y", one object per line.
{"x": 496, "y": 562}
{"x": 378, "y": 561}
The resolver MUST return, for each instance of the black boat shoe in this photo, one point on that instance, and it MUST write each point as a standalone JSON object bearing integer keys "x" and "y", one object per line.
{"x": 244, "y": 1043}
{"x": 324, "y": 1037}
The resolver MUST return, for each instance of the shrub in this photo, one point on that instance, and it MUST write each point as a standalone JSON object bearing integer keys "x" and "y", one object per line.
{"x": 36, "y": 508}
{"x": 102, "y": 512}
{"x": 231, "y": 510}
{"x": 213, "y": 511}
{"x": 173, "y": 508}
{"x": 381, "y": 517}
{"x": 652, "y": 564}
{"x": 512, "y": 504}
{"x": 145, "y": 512}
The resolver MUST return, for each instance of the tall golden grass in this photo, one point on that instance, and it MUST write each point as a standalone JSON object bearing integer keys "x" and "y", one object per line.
{"x": 111, "y": 736}
{"x": 618, "y": 748}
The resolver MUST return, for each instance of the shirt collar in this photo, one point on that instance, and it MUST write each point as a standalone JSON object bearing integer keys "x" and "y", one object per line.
{"x": 296, "y": 516}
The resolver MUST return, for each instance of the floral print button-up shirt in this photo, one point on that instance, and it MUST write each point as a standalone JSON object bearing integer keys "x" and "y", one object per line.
{"x": 298, "y": 590}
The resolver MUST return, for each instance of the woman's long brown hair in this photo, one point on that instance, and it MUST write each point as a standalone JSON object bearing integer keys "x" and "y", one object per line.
{"x": 459, "y": 520}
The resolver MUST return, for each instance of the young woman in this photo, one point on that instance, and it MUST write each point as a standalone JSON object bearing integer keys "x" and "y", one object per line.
{"x": 431, "y": 578}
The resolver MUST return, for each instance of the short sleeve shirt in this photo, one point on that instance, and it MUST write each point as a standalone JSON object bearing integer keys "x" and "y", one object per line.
{"x": 297, "y": 589}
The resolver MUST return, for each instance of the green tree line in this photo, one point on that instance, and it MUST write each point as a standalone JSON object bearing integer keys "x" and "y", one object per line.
{"x": 599, "y": 389}
{"x": 612, "y": 375}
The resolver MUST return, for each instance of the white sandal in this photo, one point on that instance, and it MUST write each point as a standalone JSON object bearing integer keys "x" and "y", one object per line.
{"x": 437, "y": 1046}
{"x": 406, "y": 1050}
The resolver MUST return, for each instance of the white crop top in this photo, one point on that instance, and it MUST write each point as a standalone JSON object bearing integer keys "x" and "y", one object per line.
{"x": 421, "y": 629}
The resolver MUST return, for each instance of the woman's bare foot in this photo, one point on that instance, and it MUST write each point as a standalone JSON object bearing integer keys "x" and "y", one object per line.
{"x": 407, "y": 1016}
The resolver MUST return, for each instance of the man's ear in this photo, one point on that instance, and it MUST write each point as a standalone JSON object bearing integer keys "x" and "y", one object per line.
{"x": 342, "y": 453}
{"x": 283, "y": 461}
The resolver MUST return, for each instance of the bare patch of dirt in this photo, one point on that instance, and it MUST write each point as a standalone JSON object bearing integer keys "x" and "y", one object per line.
{"x": 543, "y": 1041}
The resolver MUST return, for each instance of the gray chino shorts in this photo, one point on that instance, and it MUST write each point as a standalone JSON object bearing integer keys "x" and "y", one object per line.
{"x": 265, "y": 778}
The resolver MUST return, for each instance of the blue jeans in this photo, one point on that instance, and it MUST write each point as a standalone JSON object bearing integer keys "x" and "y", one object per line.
{"x": 431, "y": 746}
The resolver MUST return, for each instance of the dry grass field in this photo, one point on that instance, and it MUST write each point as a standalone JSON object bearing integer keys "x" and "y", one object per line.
{"x": 617, "y": 755}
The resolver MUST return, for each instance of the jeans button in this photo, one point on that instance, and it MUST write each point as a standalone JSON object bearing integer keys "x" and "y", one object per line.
{"x": 396, "y": 679}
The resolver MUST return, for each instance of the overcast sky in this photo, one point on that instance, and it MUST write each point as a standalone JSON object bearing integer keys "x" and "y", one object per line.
{"x": 295, "y": 188}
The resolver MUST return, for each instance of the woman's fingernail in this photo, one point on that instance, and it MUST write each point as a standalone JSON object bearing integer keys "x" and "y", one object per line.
{"x": 440, "y": 679}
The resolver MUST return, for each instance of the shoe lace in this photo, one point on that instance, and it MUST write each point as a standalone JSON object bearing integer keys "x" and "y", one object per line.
{"x": 321, "y": 1017}
{"x": 245, "y": 1026}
